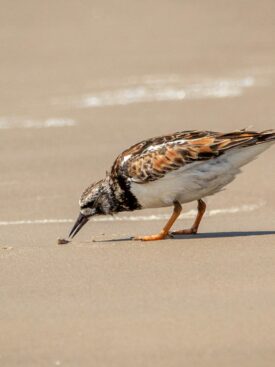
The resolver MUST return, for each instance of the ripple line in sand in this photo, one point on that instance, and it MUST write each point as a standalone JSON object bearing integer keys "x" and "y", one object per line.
{"x": 139, "y": 218}
{"x": 9, "y": 122}
{"x": 166, "y": 90}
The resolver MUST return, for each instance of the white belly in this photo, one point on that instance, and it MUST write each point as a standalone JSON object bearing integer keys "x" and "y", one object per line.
{"x": 183, "y": 186}
{"x": 196, "y": 180}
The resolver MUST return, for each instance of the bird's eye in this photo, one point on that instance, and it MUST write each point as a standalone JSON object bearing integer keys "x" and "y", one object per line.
{"x": 90, "y": 204}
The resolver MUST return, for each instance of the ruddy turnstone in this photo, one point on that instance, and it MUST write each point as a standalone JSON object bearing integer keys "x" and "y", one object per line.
{"x": 172, "y": 170}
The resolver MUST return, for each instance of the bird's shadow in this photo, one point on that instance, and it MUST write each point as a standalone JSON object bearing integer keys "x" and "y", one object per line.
{"x": 204, "y": 235}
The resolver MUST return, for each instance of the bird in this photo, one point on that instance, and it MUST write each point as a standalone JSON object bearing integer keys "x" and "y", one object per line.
{"x": 172, "y": 170}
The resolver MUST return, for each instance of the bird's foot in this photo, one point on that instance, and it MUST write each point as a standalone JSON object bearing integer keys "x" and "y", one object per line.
{"x": 185, "y": 231}
{"x": 153, "y": 237}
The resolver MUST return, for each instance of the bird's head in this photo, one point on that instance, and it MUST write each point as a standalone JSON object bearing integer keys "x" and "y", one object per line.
{"x": 95, "y": 200}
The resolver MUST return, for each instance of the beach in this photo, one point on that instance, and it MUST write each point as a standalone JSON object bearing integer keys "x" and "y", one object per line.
{"x": 81, "y": 82}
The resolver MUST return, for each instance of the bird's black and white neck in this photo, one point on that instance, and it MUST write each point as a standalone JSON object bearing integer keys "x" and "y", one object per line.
{"x": 108, "y": 196}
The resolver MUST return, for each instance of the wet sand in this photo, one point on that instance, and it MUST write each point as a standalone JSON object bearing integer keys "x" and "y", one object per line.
{"x": 206, "y": 300}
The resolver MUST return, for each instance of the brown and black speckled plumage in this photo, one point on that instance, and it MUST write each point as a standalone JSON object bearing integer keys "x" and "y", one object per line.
{"x": 151, "y": 159}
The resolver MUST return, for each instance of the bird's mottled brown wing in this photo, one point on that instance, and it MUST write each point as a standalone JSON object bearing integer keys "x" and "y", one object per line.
{"x": 151, "y": 159}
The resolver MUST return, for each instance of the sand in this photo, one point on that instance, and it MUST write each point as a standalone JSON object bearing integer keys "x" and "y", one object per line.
{"x": 103, "y": 300}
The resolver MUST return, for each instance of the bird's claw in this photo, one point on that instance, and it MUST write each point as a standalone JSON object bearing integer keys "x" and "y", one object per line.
{"x": 154, "y": 237}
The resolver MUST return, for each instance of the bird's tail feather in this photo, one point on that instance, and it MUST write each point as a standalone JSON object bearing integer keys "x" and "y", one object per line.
{"x": 246, "y": 138}
{"x": 265, "y": 136}
{"x": 252, "y": 148}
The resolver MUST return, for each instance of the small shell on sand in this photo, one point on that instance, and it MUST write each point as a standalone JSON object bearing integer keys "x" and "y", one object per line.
{"x": 7, "y": 248}
{"x": 62, "y": 241}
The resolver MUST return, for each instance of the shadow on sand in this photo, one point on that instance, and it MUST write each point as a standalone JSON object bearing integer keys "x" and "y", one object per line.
{"x": 205, "y": 235}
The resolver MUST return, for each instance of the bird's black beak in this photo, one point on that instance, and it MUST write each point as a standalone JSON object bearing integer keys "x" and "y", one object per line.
{"x": 81, "y": 220}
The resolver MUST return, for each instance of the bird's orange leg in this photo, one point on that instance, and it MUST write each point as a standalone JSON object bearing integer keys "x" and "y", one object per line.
{"x": 195, "y": 226}
{"x": 165, "y": 231}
